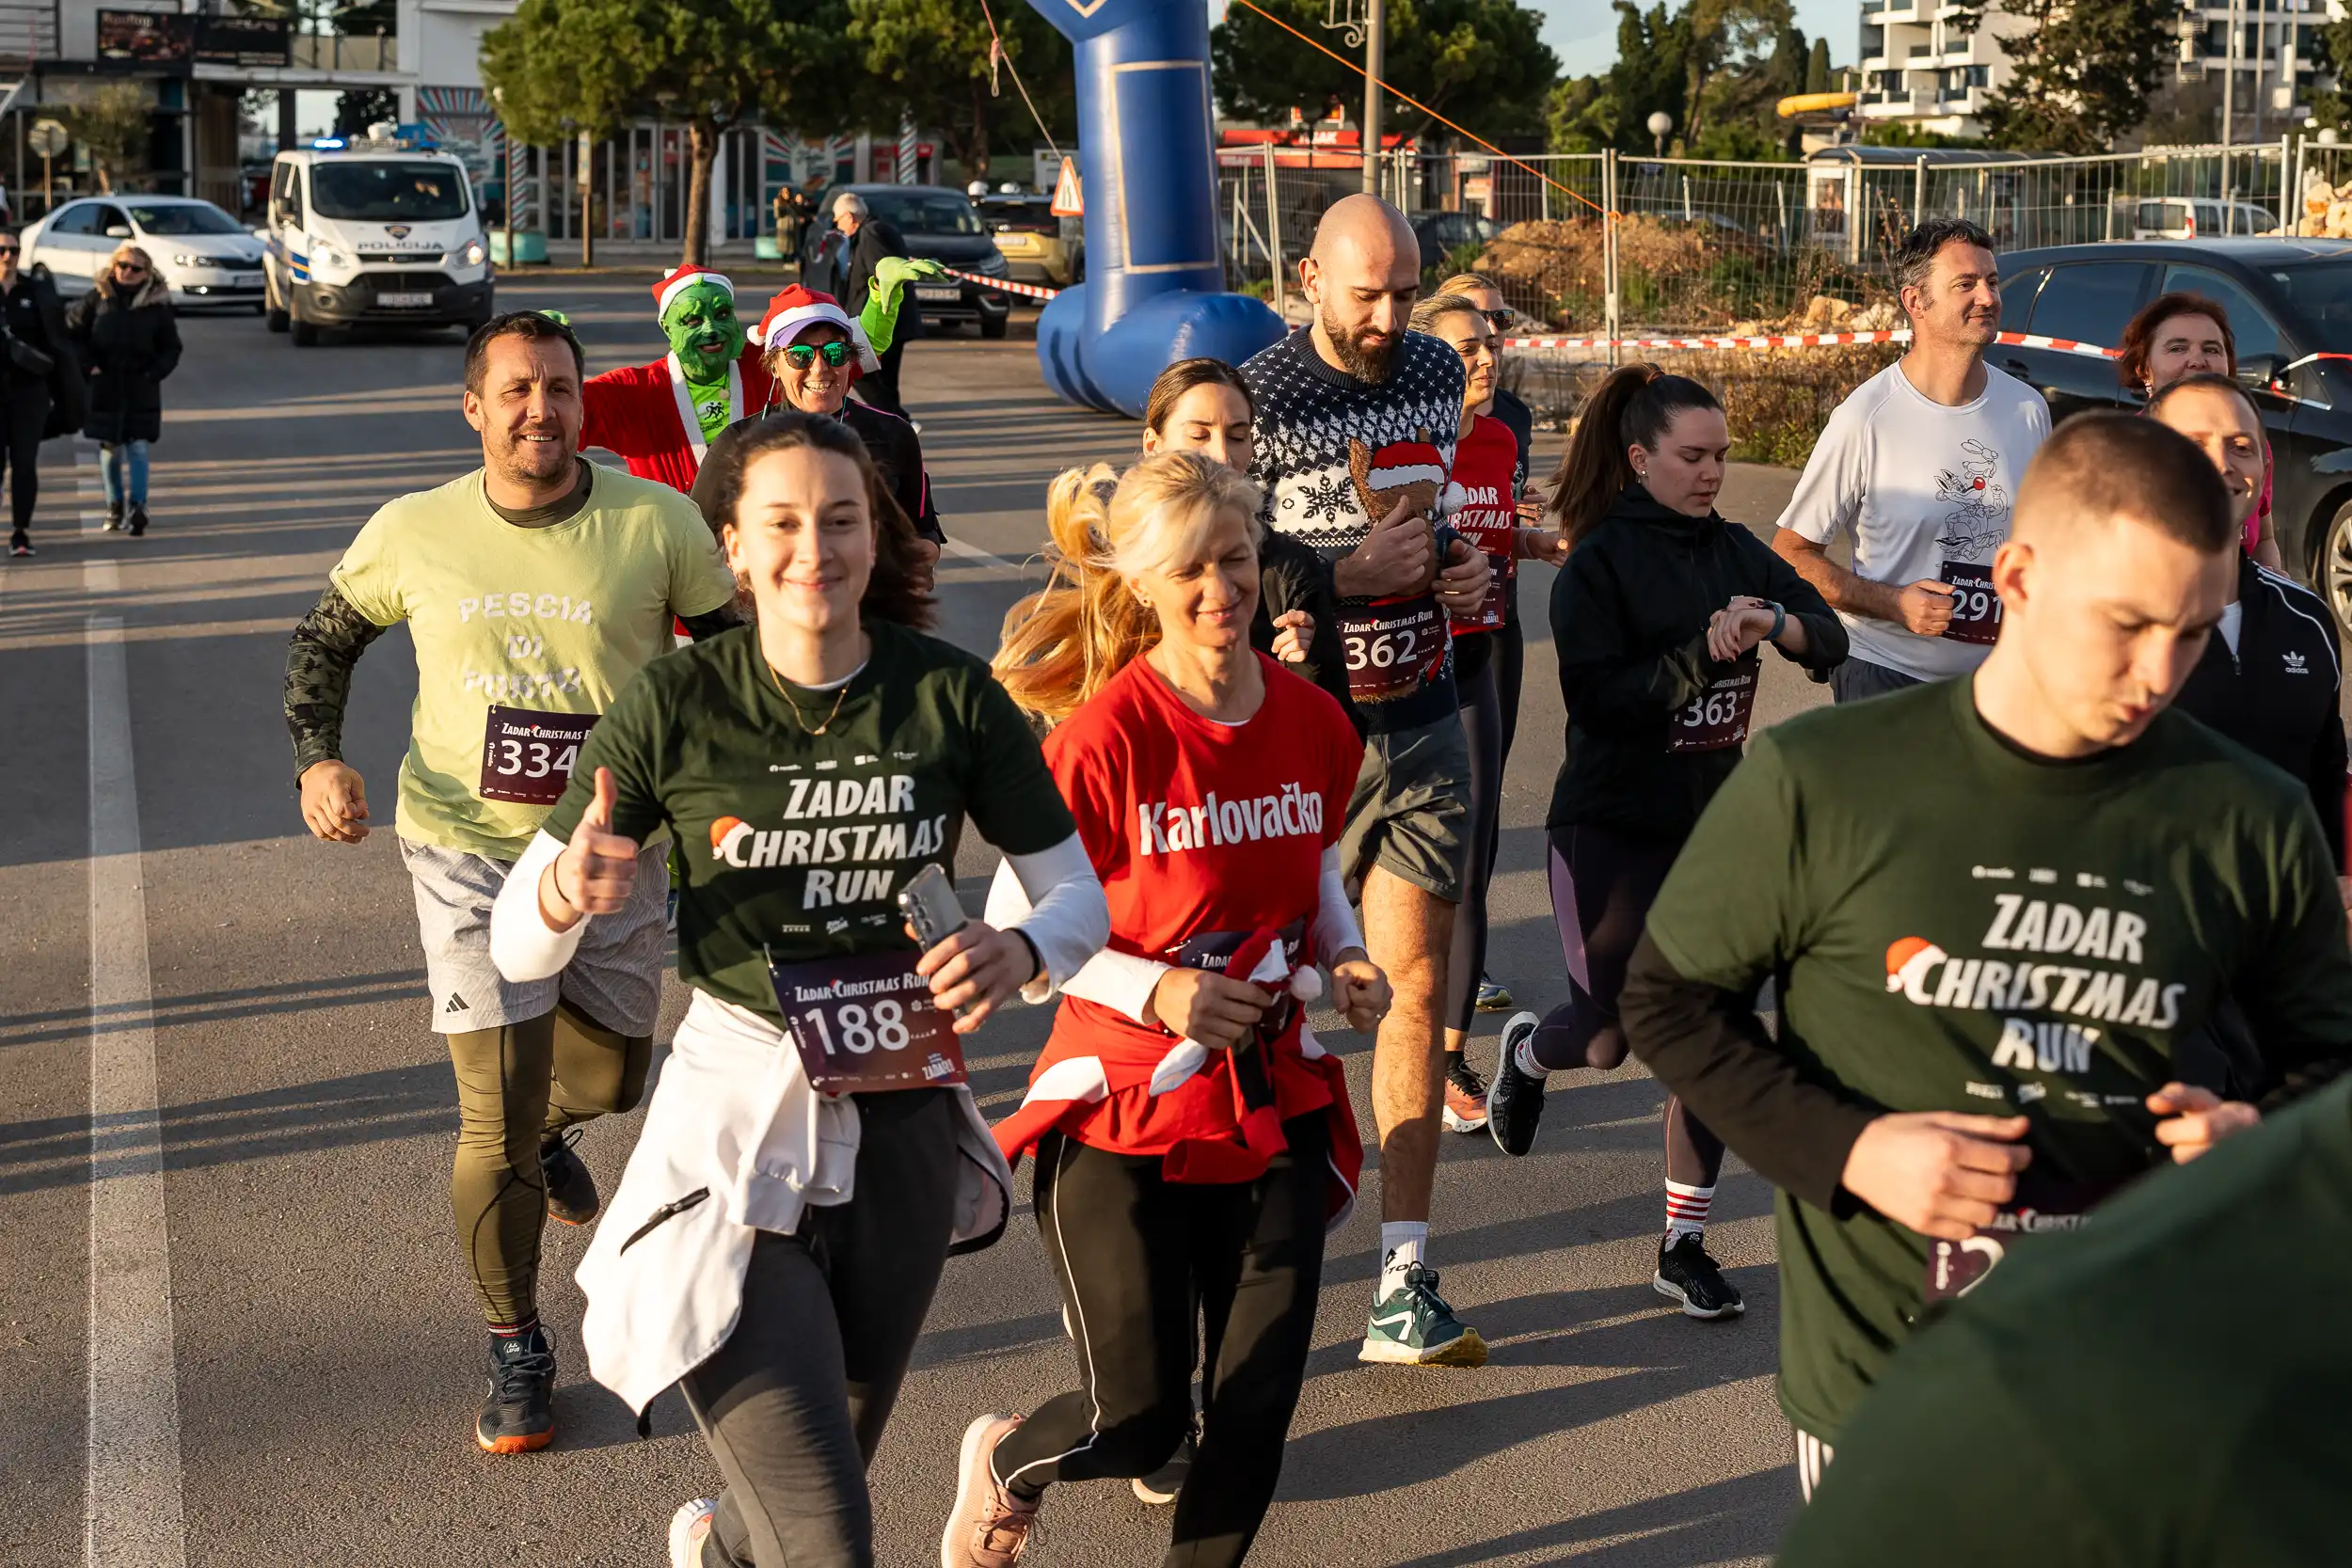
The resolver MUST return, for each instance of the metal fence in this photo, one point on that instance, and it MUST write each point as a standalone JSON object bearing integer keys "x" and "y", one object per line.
{"x": 1697, "y": 246}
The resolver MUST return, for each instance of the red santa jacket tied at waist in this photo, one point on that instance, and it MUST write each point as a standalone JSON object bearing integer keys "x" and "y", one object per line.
{"x": 1109, "y": 1093}
{"x": 644, "y": 414}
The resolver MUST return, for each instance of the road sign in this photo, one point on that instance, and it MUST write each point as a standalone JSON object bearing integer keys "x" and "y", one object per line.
{"x": 1067, "y": 202}
{"x": 47, "y": 138}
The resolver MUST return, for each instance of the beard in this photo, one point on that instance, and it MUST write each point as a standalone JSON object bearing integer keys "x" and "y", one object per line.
{"x": 1367, "y": 357}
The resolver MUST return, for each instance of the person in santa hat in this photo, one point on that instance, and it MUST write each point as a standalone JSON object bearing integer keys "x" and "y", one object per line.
{"x": 660, "y": 417}
{"x": 814, "y": 352}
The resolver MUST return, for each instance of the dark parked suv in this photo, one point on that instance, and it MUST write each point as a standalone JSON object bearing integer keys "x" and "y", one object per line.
{"x": 938, "y": 225}
{"x": 2287, "y": 299}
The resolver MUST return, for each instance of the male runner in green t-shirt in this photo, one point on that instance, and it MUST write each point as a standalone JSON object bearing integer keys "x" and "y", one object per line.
{"x": 1996, "y": 908}
{"x": 534, "y": 589}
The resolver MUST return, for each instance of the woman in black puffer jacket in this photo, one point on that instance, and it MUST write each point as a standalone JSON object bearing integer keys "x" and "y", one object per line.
{"x": 129, "y": 343}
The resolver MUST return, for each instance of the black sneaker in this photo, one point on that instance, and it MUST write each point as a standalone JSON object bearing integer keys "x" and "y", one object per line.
{"x": 519, "y": 1416}
{"x": 1514, "y": 1102}
{"x": 571, "y": 1190}
{"x": 1687, "y": 1276}
{"x": 1162, "y": 1485}
{"x": 138, "y": 521}
{"x": 20, "y": 542}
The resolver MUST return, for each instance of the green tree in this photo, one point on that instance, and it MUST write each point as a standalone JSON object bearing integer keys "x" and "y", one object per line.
{"x": 1483, "y": 63}
{"x": 930, "y": 58}
{"x": 1587, "y": 113}
{"x": 1723, "y": 34}
{"x": 116, "y": 125}
{"x": 1817, "y": 68}
{"x": 2333, "y": 107}
{"x": 563, "y": 68}
{"x": 2082, "y": 71}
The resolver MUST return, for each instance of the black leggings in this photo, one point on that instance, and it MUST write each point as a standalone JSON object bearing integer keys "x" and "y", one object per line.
{"x": 1602, "y": 886}
{"x": 793, "y": 1405}
{"x": 1132, "y": 1251}
{"x": 25, "y": 402}
{"x": 1482, "y": 727}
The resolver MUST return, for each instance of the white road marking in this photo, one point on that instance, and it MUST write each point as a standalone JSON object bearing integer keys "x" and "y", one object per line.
{"x": 131, "y": 1505}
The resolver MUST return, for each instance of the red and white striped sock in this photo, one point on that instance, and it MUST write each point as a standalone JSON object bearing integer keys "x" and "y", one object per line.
{"x": 1686, "y": 1210}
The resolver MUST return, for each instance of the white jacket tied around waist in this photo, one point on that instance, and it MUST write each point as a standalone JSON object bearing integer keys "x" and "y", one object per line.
{"x": 737, "y": 1140}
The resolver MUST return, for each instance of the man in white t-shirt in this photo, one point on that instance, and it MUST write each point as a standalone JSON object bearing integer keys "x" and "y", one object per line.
{"x": 1917, "y": 468}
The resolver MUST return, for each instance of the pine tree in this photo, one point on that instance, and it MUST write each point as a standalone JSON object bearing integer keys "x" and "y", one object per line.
{"x": 1817, "y": 71}
{"x": 2083, "y": 69}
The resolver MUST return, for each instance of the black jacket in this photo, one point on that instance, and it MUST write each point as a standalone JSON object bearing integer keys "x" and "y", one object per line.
{"x": 32, "y": 312}
{"x": 2279, "y": 695}
{"x": 127, "y": 347}
{"x": 876, "y": 238}
{"x": 1629, "y": 625}
{"x": 1292, "y": 576}
{"x": 890, "y": 441}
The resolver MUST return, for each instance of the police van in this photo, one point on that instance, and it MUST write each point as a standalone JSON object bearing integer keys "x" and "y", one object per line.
{"x": 380, "y": 231}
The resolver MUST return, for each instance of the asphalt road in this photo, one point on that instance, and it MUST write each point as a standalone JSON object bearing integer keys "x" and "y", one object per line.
{"x": 251, "y": 1342}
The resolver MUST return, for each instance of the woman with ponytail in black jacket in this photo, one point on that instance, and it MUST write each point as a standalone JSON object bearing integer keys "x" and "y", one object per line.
{"x": 1657, "y": 621}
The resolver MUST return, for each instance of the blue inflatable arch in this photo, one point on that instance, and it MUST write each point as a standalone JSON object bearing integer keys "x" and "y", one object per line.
{"x": 1155, "y": 290}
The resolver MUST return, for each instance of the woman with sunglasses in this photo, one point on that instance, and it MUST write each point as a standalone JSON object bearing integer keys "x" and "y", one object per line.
{"x": 816, "y": 351}
{"x": 129, "y": 342}
{"x": 40, "y": 382}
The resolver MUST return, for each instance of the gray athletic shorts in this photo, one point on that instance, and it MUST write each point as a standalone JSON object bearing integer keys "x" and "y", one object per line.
{"x": 615, "y": 977}
{"x": 1410, "y": 809}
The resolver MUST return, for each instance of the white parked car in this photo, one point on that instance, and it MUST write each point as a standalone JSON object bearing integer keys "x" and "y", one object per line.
{"x": 200, "y": 252}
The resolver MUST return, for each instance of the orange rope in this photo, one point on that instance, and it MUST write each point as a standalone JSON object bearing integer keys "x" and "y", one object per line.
{"x": 1427, "y": 110}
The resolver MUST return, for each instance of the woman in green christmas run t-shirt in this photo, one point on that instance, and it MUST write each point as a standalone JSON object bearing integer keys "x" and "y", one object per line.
{"x": 812, "y": 1154}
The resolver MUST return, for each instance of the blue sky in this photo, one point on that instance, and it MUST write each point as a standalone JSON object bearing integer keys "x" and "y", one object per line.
{"x": 1583, "y": 33}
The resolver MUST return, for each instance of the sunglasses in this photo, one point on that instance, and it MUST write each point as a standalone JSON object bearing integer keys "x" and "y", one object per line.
{"x": 802, "y": 355}
{"x": 8, "y": 250}
{"x": 1501, "y": 320}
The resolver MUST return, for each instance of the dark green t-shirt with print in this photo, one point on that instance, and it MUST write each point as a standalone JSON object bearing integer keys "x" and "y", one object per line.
{"x": 2136, "y": 1396}
{"x": 1955, "y": 926}
{"x": 796, "y": 845}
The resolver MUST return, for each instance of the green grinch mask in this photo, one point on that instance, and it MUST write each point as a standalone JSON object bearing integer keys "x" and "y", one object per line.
{"x": 703, "y": 332}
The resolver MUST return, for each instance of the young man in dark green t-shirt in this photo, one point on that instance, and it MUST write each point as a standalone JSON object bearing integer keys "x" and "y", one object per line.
{"x": 1997, "y": 909}
{"x": 2137, "y": 1396}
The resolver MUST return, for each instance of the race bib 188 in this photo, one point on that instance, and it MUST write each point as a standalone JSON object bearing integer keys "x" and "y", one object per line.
{"x": 1717, "y": 717}
{"x": 1393, "y": 647}
{"x": 527, "y": 755}
{"x": 1976, "y": 609}
{"x": 865, "y": 1023}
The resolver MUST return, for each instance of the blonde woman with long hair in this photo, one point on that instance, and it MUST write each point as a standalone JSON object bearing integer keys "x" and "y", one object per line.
{"x": 129, "y": 343}
{"x": 1192, "y": 1140}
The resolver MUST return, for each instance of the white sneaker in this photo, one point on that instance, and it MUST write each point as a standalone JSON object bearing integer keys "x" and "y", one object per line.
{"x": 688, "y": 1525}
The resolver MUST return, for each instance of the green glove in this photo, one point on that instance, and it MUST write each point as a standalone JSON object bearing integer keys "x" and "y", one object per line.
{"x": 880, "y": 314}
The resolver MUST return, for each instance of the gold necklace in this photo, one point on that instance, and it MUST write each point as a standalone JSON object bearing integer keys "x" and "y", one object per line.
{"x": 800, "y": 718}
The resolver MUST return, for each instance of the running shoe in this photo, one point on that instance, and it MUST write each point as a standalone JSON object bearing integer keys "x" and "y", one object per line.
{"x": 1465, "y": 1108}
{"x": 1493, "y": 996}
{"x": 20, "y": 542}
{"x": 114, "y": 519}
{"x": 138, "y": 522}
{"x": 1687, "y": 1276}
{"x": 571, "y": 1190}
{"x": 1162, "y": 1485}
{"x": 689, "y": 1526}
{"x": 1514, "y": 1100}
{"x": 989, "y": 1526}
{"x": 1414, "y": 1326}
{"x": 519, "y": 1414}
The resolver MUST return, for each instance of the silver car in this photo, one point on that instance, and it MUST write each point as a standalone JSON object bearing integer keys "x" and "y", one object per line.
{"x": 201, "y": 253}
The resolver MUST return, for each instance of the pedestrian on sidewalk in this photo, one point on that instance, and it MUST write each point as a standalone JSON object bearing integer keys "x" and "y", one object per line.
{"x": 40, "y": 382}
{"x": 128, "y": 342}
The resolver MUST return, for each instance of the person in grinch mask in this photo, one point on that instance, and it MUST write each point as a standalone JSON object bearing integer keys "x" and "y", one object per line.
{"x": 661, "y": 419}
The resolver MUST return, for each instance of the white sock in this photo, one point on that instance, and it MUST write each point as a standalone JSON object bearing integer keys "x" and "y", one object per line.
{"x": 1686, "y": 1210}
{"x": 1524, "y": 1055}
{"x": 1401, "y": 1242}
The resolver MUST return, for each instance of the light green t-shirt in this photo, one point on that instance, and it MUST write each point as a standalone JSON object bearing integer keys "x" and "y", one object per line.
{"x": 550, "y": 620}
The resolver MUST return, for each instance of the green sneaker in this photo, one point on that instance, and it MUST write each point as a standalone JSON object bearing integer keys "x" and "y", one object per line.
{"x": 1413, "y": 1326}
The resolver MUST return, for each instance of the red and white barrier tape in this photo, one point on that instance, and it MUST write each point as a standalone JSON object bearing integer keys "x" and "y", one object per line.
{"x": 1802, "y": 340}
{"x": 1027, "y": 291}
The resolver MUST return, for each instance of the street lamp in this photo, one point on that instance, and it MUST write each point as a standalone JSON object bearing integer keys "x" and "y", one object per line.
{"x": 1659, "y": 123}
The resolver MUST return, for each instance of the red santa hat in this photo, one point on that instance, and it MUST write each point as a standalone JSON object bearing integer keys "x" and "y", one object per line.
{"x": 1403, "y": 463}
{"x": 667, "y": 290}
{"x": 797, "y": 310}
